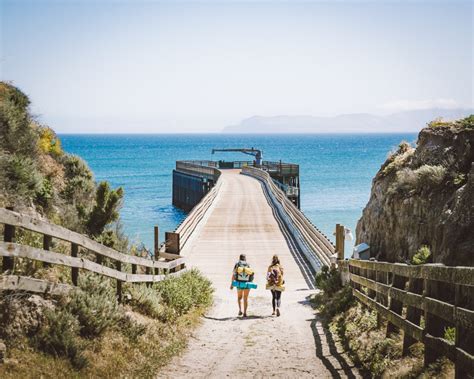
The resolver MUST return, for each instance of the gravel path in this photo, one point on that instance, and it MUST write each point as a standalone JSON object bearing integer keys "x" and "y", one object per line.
{"x": 292, "y": 345}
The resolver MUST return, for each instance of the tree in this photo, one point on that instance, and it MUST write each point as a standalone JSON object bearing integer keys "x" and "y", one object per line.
{"x": 106, "y": 208}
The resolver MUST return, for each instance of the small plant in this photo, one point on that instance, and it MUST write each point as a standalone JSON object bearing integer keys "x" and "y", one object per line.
{"x": 450, "y": 334}
{"x": 459, "y": 179}
{"x": 422, "y": 256}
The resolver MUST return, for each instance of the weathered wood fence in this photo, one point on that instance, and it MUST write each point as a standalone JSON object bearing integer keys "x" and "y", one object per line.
{"x": 424, "y": 301}
{"x": 124, "y": 266}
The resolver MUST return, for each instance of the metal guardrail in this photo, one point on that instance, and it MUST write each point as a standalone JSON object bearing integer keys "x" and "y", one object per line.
{"x": 423, "y": 301}
{"x": 314, "y": 244}
{"x": 10, "y": 250}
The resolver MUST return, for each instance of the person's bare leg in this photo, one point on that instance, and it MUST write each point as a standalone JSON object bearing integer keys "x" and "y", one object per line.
{"x": 246, "y": 297}
{"x": 239, "y": 301}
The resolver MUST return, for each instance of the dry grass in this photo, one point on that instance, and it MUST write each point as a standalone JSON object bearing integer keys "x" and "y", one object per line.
{"x": 113, "y": 356}
{"x": 379, "y": 356}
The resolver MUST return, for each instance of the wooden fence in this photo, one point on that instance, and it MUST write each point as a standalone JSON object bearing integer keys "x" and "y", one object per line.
{"x": 79, "y": 258}
{"x": 424, "y": 301}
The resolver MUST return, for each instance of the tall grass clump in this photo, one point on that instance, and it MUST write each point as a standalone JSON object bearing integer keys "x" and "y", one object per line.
{"x": 423, "y": 178}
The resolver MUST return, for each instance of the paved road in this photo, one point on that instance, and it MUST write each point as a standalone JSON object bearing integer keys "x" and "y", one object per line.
{"x": 293, "y": 345}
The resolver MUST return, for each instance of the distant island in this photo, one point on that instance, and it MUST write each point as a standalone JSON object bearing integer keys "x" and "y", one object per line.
{"x": 406, "y": 121}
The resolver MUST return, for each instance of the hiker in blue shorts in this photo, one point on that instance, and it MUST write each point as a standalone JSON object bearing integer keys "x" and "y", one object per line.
{"x": 242, "y": 278}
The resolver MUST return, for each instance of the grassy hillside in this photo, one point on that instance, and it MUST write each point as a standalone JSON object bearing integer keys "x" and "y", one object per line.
{"x": 86, "y": 333}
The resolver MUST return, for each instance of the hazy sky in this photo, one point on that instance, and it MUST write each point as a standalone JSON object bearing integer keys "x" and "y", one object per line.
{"x": 199, "y": 66}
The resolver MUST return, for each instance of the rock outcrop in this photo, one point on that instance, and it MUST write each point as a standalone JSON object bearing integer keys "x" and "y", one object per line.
{"x": 424, "y": 196}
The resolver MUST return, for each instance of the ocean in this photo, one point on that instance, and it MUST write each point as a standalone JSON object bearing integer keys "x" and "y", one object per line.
{"x": 336, "y": 171}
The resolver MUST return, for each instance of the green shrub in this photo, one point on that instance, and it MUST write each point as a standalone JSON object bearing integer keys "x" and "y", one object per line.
{"x": 467, "y": 122}
{"x": 59, "y": 337}
{"x": 335, "y": 298}
{"x": 22, "y": 177}
{"x": 95, "y": 305}
{"x": 422, "y": 256}
{"x": 180, "y": 294}
{"x": 328, "y": 280}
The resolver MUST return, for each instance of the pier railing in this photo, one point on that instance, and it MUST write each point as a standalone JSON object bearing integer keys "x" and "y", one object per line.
{"x": 427, "y": 302}
{"x": 191, "y": 222}
{"x": 122, "y": 267}
{"x": 313, "y": 243}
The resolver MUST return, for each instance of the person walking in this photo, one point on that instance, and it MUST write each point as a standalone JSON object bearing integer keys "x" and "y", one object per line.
{"x": 242, "y": 278}
{"x": 275, "y": 283}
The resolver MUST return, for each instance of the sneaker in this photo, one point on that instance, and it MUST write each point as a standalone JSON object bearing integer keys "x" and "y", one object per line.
{"x": 240, "y": 313}
{"x": 273, "y": 314}
{"x": 278, "y": 313}
{"x": 245, "y": 315}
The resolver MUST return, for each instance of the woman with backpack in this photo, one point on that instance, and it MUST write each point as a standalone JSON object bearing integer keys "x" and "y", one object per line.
{"x": 275, "y": 283}
{"x": 242, "y": 278}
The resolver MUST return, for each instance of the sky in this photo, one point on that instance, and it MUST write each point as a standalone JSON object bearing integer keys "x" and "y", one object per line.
{"x": 196, "y": 66}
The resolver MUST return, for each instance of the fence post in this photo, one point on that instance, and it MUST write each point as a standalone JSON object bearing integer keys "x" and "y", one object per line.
{"x": 46, "y": 246}
{"x": 8, "y": 236}
{"x": 74, "y": 270}
{"x": 433, "y": 326}
{"x": 395, "y": 306}
{"x": 118, "y": 266}
{"x": 156, "y": 252}
{"x": 413, "y": 314}
{"x": 340, "y": 231}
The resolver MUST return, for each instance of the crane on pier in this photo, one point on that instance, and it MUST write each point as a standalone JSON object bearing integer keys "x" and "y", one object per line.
{"x": 258, "y": 154}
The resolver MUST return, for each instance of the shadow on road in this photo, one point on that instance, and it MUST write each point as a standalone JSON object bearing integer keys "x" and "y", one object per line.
{"x": 336, "y": 372}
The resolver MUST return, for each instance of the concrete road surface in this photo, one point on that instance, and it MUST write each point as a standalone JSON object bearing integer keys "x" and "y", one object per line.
{"x": 292, "y": 345}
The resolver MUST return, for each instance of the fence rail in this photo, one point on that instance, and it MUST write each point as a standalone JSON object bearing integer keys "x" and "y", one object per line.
{"x": 423, "y": 301}
{"x": 155, "y": 270}
{"x": 314, "y": 244}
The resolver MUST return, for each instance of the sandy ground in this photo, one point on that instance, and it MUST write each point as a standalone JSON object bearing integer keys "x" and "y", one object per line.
{"x": 260, "y": 346}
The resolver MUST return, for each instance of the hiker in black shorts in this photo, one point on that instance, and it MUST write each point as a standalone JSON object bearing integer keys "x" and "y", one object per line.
{"x": 242, "y": 276}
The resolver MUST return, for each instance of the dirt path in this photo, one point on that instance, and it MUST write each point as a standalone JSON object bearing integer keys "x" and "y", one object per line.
{"x": 293, "y": 345}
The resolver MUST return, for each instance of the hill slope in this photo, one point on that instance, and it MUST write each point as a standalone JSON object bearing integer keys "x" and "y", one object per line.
{"x": 425, "y": 196}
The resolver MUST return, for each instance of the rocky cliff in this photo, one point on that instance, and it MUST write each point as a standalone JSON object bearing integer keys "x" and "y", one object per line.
{"x": 424, "y": 196}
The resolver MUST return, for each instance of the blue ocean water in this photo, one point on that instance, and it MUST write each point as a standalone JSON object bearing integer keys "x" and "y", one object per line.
{"x": 335, "y": 171}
